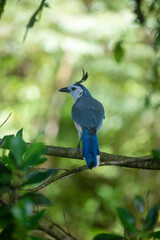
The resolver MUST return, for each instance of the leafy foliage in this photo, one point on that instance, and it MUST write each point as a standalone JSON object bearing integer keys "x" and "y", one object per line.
{"x": 17, "y": 210}
{"x": 118, "y": 51}
{"x": 127, "y": 219}
{"x": 151, "y": 219}
{"x": 130, "y": 222}
{"x": 2, "y": 5}
{"x": 108, "y": 236}
{"x": 36, "y": 16}
{"x": 139, "y": 204}
{"x": 156, "y": 154}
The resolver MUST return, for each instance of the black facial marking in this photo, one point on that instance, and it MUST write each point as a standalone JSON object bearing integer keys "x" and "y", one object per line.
{"x": 73, "y": 88}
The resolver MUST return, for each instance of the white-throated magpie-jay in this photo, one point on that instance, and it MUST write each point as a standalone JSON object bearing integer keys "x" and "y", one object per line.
{"x": 88, "y": 114}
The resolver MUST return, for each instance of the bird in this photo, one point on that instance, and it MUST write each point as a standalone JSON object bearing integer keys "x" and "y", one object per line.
{"x": 88, "y": 115}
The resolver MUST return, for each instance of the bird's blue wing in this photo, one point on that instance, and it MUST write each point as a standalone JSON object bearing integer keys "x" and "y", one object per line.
{"x": 85, "y": 118}
{"x": 89, "y": 113}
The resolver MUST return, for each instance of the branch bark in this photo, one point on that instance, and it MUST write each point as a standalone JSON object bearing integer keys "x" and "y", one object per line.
{"x": 59, "y": 228}
{"x": 52, "y": 232}
{"x": 5, "y": 120}
{"x": 144, "y": 162}
{"x": 61, "y": 176}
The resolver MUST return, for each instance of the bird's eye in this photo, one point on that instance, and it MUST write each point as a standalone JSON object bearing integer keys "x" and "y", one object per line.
{"x": 73, "y": 88}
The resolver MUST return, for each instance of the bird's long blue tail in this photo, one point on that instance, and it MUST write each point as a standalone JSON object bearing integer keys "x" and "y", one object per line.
{"x": 90, "y": 149}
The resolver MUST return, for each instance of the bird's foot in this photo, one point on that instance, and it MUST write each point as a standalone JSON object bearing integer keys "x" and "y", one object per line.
{"x": 78, "y": 147}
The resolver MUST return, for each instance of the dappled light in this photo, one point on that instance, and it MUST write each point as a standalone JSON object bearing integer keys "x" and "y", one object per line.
{"x": 117, "y": 43}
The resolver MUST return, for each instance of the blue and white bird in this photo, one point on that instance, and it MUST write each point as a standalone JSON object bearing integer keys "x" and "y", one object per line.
{"x": 88, "y": 115}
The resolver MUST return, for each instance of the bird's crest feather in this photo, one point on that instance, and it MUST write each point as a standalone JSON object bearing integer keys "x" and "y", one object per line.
{"x": 83, "y": 79}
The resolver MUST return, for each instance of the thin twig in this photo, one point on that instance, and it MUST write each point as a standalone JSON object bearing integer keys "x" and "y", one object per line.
{"x": 54, "y": 233}
{"x": 65, "y": 219}
{"x": 5, "y": 120}
{"x": 45, "y": 169}
{"x": 132, "y": 163}
{"x": 33, "y": 18}
{"x": 54, "y": 179}
{"x": 59, "y": 227}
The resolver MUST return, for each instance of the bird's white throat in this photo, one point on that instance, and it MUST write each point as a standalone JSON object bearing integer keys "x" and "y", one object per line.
{"x": 75, "y": 91}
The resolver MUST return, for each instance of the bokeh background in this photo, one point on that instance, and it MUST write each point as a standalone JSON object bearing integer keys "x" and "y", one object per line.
{"x": 119, "y": 48}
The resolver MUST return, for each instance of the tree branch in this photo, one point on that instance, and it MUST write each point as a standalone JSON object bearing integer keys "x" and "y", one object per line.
{"x": 138, "y": 11}
{"x": 2, "y": 6}
{"x": 143, "y": 162}
{"x": 52, "y": 232}
{"x": 5, "y": 120}
{"x": 146, "y": 162}
{"x": 59, "y": 227}
{"x": 34, "y": 17}
{"x": 56, "y": 178}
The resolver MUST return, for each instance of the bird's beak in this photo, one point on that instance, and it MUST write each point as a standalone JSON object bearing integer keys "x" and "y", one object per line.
{"x": 65, "y": 89}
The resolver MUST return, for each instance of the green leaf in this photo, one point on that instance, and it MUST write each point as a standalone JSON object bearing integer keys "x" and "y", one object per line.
{"x": 118, "y": 51}
{"x": 35, "y": 17}
{"x": 46, "y": 5}
{"x": 22, "y": 211}
{"x": 36, "y": 177}
{"x": 155, "y": 235}
{"x": 5, "y": 234}
{"x": 5, "y": 216}
{"x": 34, "y": 220}
{"x": 18, "y": 147}
{"x": 139, "y": 203}
{"x": 24, "y": 215}
{"x": 6, "y": 141}
{"x": 5, "y": 179}
{"x": 108, "y": 236}
{"x": 35, "y": 238}
{"x": 2, "y": 5}
{"x": 151, "y": 219}
{"x": 33, "y": 154}
{"x": 5, "y": 175}
{"x": 127, "y": 219}
{"x": 9, "y": 162}
{"x": 157, "y": 40}
{"x": 156, "y": 154}
{"x": 38, "y": 198}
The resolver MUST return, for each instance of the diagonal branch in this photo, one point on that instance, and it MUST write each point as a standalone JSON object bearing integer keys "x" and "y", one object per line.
{"x": 144, "y": 162}
{"x": 55, "y": 234}
{"x": 5, "y": 120}
{"x": 59, "y": 227}
{"x": 56, "y": 178}
{"x": 133, "y": 164}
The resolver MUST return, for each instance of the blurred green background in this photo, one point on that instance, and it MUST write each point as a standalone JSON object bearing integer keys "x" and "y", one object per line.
{"x": 121, "y": 54}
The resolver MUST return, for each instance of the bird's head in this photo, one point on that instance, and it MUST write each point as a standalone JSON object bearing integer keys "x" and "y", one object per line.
{"x": 77, "y": 90}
